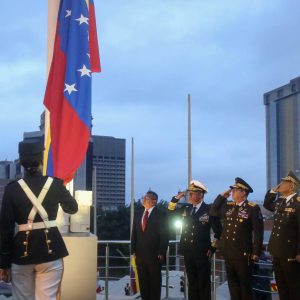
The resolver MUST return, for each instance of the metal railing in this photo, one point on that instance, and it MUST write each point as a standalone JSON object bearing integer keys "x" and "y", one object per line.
{"x": 218, "y": 274}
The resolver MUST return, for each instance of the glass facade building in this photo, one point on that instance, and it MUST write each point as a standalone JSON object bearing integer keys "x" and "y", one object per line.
{"x": 109, "y": 159}
{"x": 283, "y": 131}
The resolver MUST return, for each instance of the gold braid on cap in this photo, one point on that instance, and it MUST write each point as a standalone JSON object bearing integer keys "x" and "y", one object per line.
{"x": 239, "y": 185}
{"x": 289, "y": 178}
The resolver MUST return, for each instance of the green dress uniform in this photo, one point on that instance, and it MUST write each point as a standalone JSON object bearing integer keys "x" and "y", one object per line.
{"x": 242, "y": 237}
{"x": 284, "y": 243}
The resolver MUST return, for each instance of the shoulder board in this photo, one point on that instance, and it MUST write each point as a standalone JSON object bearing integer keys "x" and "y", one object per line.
{"x": 252, "y": 204}
{"x": 230, "y": 203}
{"x": 298, "y": 199}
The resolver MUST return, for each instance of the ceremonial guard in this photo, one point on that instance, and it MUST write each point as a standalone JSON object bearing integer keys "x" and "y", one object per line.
{"x": 32, "y": 258}
{"x": 284, "y": 242}
{"x": 242, "y": 237}
{"x": 195, "y": 242}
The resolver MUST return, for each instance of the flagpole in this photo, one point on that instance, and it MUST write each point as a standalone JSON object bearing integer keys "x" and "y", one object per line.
{"x": 53, "y": 6}
{"x": 131, "y": 199}
{"x": 132, "y": 186}
{"x": 189, "y": 141}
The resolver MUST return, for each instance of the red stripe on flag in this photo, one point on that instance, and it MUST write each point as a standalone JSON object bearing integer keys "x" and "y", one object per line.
{"x": 93, "y": 41}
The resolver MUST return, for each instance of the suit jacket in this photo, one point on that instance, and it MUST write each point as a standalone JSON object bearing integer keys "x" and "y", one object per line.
{"x": 154, "y": 240}
{"x": 285, "y": 237}
{"x": 243, "y": 228}
{"x": 195, "y": 238}
{"x": 15, "y": 209}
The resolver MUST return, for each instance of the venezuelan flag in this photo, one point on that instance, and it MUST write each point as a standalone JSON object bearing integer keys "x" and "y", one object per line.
{"x": 68, "y": 91}
{"x": 134, "y": 279}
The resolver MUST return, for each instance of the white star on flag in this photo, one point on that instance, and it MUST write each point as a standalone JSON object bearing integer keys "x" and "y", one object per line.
{"x": 89, "y": 56}
{"x": 68, "y": 13}
{"x": 82, "y": 19}
{"x": 84, "y": 71}
{"x": 70, "y": 88}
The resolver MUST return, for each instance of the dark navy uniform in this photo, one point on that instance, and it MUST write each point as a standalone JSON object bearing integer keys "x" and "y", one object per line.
{"x": 195, "y": 242}
{"x": 242, "y": 237}
{"x": 32, "y": 259}
{"x": 32, "y": 247}
{"x": 284, "y": 243}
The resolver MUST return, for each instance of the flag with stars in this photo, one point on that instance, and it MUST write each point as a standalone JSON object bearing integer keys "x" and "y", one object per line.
{"x": 68, "y": 91}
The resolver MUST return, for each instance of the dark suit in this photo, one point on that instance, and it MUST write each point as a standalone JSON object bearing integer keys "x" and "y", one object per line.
{"x": 15, "y": 209}
{"x": 285, "y": 243}
{"x": 242, "y": 237}
{"x": 194, "y": 244}
{"x": 147, "y": 246}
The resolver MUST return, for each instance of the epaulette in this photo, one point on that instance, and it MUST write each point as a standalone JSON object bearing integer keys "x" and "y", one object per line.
{"x": 230, "y": 203}
{"x": 252, "y": 204}
{"x": 298, "y": 199}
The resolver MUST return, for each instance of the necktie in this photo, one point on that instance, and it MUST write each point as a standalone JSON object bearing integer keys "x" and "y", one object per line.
{"x": 194, "y": 210}
{"x": 145, "y": 219}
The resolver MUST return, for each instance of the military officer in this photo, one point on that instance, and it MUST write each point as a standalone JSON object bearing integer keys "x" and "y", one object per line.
{"x": 32, "y": 258}
{"x": 195, "y": 243}
{"x": 242, "y": 237}
{"x": 284, "y": 242}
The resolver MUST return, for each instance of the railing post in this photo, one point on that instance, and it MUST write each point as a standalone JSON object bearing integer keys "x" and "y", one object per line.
{"x": 106, "y": 270}
{"x": 185, "y": 285}
{"x": 214, "y": 278}
{"x": 167, "y": 272}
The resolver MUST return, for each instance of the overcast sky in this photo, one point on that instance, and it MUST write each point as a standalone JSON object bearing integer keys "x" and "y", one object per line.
{"x": 225, "y": 53}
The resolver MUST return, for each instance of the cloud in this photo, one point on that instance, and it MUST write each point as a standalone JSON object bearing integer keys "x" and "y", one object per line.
{"x": 226, "y": 54}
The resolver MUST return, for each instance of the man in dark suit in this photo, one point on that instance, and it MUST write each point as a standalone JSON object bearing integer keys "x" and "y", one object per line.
{"x": 195, "y": 242}
{"x": 284, "y": 242}
{"x": 149, "y": 242}
{"x": 242, "y": 237}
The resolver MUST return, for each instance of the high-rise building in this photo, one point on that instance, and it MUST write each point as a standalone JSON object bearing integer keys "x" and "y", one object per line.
{"x": 109, "y": 160}
{"x": 102, "y": 171}
{"x": 283, "y": 131}
{"x": 9, "y": 170}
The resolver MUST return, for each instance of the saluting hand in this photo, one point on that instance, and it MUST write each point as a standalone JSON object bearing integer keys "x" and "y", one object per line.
{"x": 226, "y": 194}
{"x": 176, "y": 198}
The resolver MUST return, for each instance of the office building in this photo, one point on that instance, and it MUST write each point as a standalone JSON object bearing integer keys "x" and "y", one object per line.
{"x": 283, "y": 131}
{"x": 109, "y": 160}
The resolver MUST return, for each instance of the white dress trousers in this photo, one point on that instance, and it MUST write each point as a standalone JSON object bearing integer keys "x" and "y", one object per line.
{"x": 38, "y": 281}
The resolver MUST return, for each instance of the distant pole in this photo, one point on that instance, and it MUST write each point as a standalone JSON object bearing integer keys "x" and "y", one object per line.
{"x": 131, "y": 200}
{"x": 94, "y": 188}
{"x": 132, "y": 186}
{"x": 189, "y": 141}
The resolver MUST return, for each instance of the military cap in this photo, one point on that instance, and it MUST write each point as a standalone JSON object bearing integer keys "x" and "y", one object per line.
{"x": 152, "y": 195}
{"x": 197, "y": 186}
{"x": 292, "y": 178}
{"x": 241, "y": 184}
{"x": 31, "y": 150}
